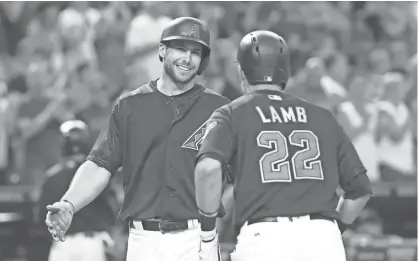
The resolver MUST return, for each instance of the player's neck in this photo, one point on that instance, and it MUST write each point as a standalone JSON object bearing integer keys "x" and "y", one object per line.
{"x": 266, "y": 87}
{"x": 166, "y": 85}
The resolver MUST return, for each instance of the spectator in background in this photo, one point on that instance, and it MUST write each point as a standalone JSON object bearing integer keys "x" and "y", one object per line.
{"x": 42, "y": 37}
{"x": 142, "y": 38}
{"x": 314, "y": 85}
{"x": 399, "y": 54}
{"x": 379, "y": 60}
{"x": 91, "y": 16}
{"x": 14, "y": 19}
{"x": 40, "y": 41}
{"x": 98, "y": 107}
{"x": 10, "y": 100}
{"x": 35, "y": 131}
{"x": 299, "y": 52}
{"x": 79, "y": 95}
{"x": 76, "y": 38}
{"x": 5, "y": 124}
{"x": 221, "y": 75}
{"x": 411, "y": 101}
{"x": 89, "y": 234}
{"x": 110, "y": 43}
{"x": 357, "y": 116}
{"x": 394, "y": 130}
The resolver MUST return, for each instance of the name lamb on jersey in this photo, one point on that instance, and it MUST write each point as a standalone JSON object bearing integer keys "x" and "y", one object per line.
{"x": 284, "y": 115}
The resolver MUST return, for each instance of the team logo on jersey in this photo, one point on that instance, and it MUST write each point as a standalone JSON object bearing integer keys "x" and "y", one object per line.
{"x": 208, "y": 128}
{"x": 196, "y": 138}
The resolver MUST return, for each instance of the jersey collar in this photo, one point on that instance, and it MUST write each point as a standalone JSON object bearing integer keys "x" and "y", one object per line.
{"x": 187, "y": 94}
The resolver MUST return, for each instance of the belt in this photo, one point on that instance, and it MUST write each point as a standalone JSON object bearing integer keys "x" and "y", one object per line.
{"x": 276, "y": 219}
{"x": 165, "y": 226}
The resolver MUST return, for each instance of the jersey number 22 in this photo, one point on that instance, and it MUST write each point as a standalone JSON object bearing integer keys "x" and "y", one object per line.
{"x": 275, "y": 165}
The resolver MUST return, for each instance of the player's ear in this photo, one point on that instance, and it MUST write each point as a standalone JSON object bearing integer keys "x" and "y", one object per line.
{"x": 162, "y": 51}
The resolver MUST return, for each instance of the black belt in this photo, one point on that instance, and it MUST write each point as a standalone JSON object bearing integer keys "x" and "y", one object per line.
{"x": 275, "y": 219}
{"x": 164, "y": 226}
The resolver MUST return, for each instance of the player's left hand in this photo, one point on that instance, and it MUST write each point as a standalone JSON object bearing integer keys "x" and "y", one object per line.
{"x": 209, "y": 246}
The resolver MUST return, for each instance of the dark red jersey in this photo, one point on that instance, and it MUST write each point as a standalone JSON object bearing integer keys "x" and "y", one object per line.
{"x": 155, "y": 139}
{"x": 286, "y": 156}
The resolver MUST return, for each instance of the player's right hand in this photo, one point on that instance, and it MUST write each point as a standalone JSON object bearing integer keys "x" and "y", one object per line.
{"x": 209, "y": 246}
{"x": 58, "y": 219}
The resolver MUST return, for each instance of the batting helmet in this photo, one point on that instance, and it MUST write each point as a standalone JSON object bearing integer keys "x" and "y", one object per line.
{"x": 189, "y": 29}
{"x": 263, "y": 58}
{"x": 75, "y": 138}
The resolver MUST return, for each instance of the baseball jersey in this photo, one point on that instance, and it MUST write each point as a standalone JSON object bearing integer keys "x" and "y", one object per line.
{"x": 155, "y": 138}
{"x": 286, "y": 157}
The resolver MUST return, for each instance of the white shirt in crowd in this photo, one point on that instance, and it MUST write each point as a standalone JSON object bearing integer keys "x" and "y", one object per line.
{"x": 398, "y": 155}
{"x": 364, "y": 143}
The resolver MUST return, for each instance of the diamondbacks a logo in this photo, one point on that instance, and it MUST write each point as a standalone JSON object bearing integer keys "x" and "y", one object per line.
{"x": 208, "y": 128}
{"x": 193, "y": 31}
{"x": 196, "y": 138}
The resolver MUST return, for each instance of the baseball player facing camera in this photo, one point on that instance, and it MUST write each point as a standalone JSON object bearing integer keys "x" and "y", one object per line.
{"x": 286, "y": 159}
{"x": 154, "y": 133}
{"x": 88, "y": 237}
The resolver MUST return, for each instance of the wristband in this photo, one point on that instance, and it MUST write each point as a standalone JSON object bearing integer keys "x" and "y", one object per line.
{"x": 71, "y": 205}
{"x": 207, "y": 221}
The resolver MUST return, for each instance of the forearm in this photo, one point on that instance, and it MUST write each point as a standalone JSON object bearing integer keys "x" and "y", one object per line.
{"x": 350, "y": 209}
{"x": 89, "y": 181}
{"x": 208, "y": 186}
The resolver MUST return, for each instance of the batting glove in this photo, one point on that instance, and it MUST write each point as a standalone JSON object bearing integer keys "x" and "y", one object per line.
{"x": 59, "y": 218}
{"x": 209, "y": 246}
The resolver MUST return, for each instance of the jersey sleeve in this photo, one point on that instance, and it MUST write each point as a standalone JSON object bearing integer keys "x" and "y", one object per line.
{"x": 107, "y": 150}
{"x": 219, "y": 140}
{"x": 353, "y": 175}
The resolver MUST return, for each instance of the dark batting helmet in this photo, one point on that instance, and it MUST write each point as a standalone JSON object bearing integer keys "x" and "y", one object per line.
{"x": 264, "y": 58}
{"x": 189, "y": 29}
{"x": 75, "y": 138}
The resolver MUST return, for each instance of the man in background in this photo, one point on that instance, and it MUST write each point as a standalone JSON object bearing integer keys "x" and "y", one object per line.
{"x": 88, "y": 236}
{"x": 394, "y": 130}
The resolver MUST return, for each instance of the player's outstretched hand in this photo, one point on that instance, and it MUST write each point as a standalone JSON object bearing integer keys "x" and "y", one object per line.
{"x": 58, "y": 219}
{"x": 209, "y": 246}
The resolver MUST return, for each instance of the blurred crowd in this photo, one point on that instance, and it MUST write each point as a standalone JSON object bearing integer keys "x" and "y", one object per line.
{"x": 66, "y": 60}
{"x": 71, "y": 60}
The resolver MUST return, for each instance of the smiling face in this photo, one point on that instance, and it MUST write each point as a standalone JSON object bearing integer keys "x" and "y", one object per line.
{"x": 181, "y": 60}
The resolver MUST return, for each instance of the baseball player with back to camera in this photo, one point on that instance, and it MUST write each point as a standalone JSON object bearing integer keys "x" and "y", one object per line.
{"x": 88, "y": 237}
{"x": 286, "y": 158}
{"x": 154, "y": 133}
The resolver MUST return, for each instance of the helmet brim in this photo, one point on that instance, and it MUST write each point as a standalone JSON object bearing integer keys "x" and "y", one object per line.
{"x": 185, "y": 38}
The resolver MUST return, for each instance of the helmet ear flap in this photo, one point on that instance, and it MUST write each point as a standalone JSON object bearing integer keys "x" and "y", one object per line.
{"x": 203, "y": 65}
